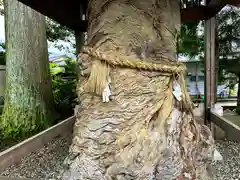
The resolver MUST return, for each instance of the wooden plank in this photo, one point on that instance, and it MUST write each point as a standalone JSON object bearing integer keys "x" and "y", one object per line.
{"x": 16, "y": 153}
{"x": 13, "y": 178}
{"x": 231, "y": 130}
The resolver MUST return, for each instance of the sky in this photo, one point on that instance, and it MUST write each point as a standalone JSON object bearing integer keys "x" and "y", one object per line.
{"x": 53, "y": 50}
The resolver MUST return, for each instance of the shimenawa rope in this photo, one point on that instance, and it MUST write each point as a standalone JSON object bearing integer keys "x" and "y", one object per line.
{"x": 97, "y": 80}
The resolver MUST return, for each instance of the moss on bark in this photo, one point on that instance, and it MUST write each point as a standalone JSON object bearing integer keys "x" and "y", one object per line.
{"x": 28, "y": 98}
{"x": 24, "y": 115}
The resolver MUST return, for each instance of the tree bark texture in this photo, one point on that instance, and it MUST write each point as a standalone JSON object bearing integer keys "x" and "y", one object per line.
{"x": 28, "y": 99}
{"x": 142, "y": 133}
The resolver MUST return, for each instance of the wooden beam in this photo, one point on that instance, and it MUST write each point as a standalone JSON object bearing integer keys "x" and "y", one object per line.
{"x": 67, "y": 12}
{"x": 234, "y": 2}
{"x": 213, "y": 3}
{"x": 64, "y": 12}
{"x": 200, "y": 13}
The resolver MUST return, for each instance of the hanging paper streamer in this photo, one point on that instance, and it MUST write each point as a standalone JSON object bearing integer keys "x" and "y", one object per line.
{"x": 177, "y": 92}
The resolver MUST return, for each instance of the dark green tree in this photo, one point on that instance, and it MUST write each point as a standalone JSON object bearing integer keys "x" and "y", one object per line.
{"x": 56, "y": 32}
{"x": 229, "y": 46}
{"x": 190, "y": 42}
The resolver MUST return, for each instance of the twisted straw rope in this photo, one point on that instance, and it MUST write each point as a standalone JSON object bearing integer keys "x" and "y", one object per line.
{"x": 97, "y": 80}
{"x": 126, "y": 61}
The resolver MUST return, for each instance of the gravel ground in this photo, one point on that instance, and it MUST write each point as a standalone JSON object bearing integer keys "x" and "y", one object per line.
{"x": 229, "y": 168}
{"x": 46, "y": 163}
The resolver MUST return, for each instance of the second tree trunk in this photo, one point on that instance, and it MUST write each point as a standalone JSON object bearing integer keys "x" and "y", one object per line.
{"x": 28, "y": 100}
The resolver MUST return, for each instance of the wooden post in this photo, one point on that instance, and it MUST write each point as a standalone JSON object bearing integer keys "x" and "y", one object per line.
{"x": 213, "y": 61}
{"x": 79, "y": 36}
{"x": 210, "y": 68}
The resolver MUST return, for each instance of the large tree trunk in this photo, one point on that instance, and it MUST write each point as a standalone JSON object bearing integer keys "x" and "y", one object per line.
{"x": 28, "y": 99}
{"x": 143, "y": 132}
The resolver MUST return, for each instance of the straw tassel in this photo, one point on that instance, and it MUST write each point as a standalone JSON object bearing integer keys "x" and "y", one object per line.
{"x": 99, "y": 84}
{"x": 97, "y": 80}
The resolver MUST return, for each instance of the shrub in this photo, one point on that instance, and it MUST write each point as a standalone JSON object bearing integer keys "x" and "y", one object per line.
{"x": 64, "y": 80}
{"x": 2, "y": 54}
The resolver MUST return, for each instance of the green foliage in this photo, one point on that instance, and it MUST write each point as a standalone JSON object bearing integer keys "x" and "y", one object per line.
{"x": 1, "y": 7}
{"x": 57, "y": 32}
{"x": 190, "y": 43}
{"x": 64, "y": 80}
{"x": 2, "y": 55}
{"x": 228, "y": 43}
{"x": 229, "y": 40}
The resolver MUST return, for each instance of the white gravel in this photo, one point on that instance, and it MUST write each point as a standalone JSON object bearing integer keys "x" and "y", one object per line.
{"x": 46, "y": 164}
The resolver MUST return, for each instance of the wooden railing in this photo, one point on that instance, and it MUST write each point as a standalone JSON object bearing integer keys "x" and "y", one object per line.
{"x": 16, "y": 153}
{"x": 12, "y": 178}
{"x": 232, "y": 131}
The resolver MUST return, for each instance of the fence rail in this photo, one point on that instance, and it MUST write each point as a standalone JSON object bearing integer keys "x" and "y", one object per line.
{"x": 232, "y": 131}
{"x": 16, "y": 153}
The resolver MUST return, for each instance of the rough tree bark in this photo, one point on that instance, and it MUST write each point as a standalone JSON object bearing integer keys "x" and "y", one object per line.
{"x": 142, "y": 133}
{"x": 28, "y": 99}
